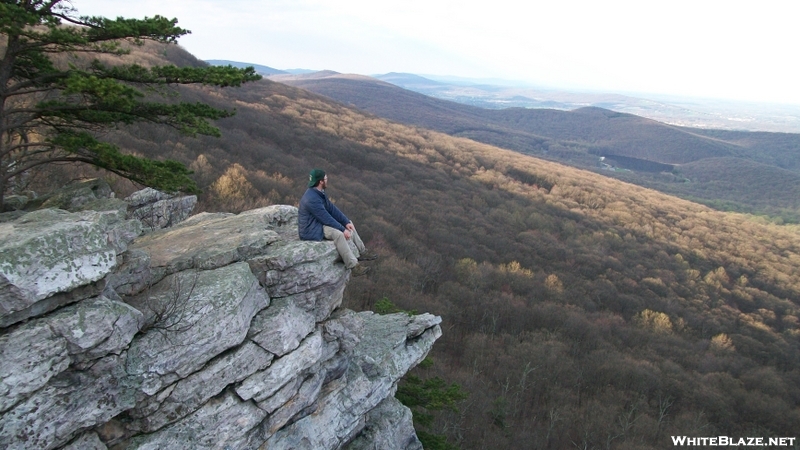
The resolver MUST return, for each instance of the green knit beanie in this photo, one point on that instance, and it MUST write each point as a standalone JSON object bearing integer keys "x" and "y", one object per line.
{"x": 315, "y": 176}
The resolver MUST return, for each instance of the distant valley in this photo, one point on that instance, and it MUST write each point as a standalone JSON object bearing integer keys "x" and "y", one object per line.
{"x": 690, "y": 112}
{"x": 754, "y": 172}
{"x": 498, "y": 94}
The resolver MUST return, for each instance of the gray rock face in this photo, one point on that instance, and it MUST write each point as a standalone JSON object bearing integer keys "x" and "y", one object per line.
{"x": 262, "y": 385}
{"x": 205, "y": 241}
{"x": 69, "y": 403}
{"x": 222, "y": 423}
{"x": 51, "y": 251}
{"x": 132, "y": 274}
{"x": 31, "y": 356}
{"x": 346, "y": 327}
{"x": 383, "y": 355}
{"x": 193, "y": 391}
{"x": 157, "y": 210}
{"x": 87, "y": 441}
{"x": 389, "y": 426}
{"x": 393, "y": 342}
{"x": 53, "y": 302}
{"x": 95, "y": 328}
{"x": 280, "y": 328}
{"x": 34, "y": 373}
{"x": 295, "y": 266}
{"x": 221, "y": 332}
{"x": 73, "y": 196}
{"x": 195, "y": 316}
{"x": 305, "y": 273}
{"x": 120, "y": 232}
{"x": 303, "y": 401}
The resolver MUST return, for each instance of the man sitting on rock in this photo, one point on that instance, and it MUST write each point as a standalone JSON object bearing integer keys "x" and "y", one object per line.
{"x": 318, "y": 218}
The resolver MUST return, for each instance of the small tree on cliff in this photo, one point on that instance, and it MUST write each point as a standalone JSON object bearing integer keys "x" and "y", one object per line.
{"x": 54, "y": 97}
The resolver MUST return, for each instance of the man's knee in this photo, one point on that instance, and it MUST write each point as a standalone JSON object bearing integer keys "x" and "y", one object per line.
{"x": 331, "y": 233}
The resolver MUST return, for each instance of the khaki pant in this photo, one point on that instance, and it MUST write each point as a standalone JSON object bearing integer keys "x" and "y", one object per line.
{"x": 345, "y": 246}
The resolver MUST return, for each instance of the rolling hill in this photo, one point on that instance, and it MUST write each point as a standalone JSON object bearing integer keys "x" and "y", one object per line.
{"x": 578, "y": 310}
{"x": 581, "y": 136}
{"x": 690, "y": 112}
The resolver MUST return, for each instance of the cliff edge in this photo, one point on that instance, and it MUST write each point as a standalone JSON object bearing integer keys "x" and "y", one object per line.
{"x": 222, "y": 331}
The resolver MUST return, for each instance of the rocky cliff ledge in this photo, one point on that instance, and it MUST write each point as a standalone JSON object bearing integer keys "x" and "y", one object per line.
{"x": 223, "y": 331}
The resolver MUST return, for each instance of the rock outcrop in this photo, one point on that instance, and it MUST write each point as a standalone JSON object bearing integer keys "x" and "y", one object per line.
{"x": 157, "y": 210}
{"x": 223, "y": 331}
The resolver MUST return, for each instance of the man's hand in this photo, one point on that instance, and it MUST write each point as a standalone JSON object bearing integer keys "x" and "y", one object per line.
{"x": 346, "y": 234}
{"x": 350, "y": 226}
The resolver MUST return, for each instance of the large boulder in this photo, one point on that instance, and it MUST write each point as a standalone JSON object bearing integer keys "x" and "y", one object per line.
{"x": 157, "y": 210}
{"x": 146, "y": 196}
{"x": 207, "y": 241}
{"x": 49, "y": 252}
{"x": 306, "y": 273}
{"x": 73, "y": 196}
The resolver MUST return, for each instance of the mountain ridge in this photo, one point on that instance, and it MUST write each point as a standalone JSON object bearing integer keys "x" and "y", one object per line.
{"x": 579, "y": 137}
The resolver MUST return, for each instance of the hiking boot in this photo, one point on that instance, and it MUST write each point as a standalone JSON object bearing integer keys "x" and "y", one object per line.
{"x": 368, "y": 256}
{"x": 359, "y": 270}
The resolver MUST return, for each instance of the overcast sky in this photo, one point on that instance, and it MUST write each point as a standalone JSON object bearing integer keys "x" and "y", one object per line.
{"x": 739, "y": 50}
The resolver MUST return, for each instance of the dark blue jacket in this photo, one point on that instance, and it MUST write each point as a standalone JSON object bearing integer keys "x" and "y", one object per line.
{"x": 315, "y": 211}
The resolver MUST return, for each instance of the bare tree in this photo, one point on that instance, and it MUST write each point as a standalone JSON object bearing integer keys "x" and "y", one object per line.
{"x": 171, "y": 313}
{"x": 664, "y": 403}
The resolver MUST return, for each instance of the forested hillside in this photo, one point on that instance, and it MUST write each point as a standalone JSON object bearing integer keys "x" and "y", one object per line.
{"x": 578, "y": 310}
{"x": 691, "y": 163}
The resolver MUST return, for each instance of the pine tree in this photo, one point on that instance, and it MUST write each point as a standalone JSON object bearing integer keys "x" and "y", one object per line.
{"x": 56, "y": 95}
